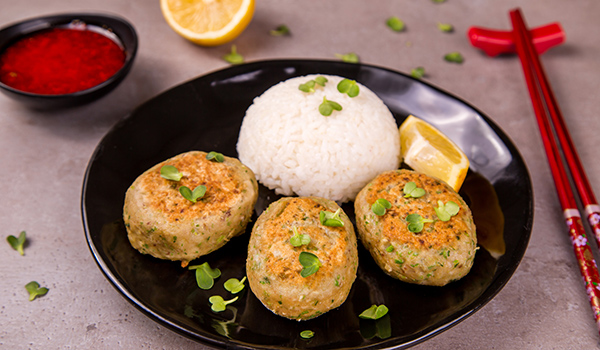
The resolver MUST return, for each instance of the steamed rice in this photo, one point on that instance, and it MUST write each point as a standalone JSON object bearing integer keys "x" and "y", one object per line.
{"x": 293, "y": 149}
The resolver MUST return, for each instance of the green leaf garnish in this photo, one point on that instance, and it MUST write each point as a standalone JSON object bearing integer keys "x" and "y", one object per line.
{"x": 438, "y": 1}
{"x": 416, "y": 222}
{"x": 446, "y": 211}
{"x": 34, "y": 290}
{"x": 328, "y": 218}
{"x": 374, "y": 312}
{"x": 194, "y": 195}
{"x": 327, "y": 107}
{"x": 321, "y": 80}
{"x": 234, "y": 57}
{"x": 418, "y": 72}
{"x": 281, "y": 30}
{"x": 411, "y": 190}
{"x": 380, "y": 206}
{"x": 234, "y": 286}
{"x": 218, "y": 304}
{"x": 347, "y": 86}
{"x": 309, "y": 86}
{"x": 446, "y": 27}
{"x": 307, "y": 334}
{"x": 17, "y": 243}
{"x": 297, "y": 239}
{"x": 215, "y": 157}
{"x": 395, "y": 24}
{"x": 310, "y": 262}
{"x": 205, "y": 276}
{"x": 350, "y": 57}
{"x": 170, "y": 172}
{"x": 454, "y": 57}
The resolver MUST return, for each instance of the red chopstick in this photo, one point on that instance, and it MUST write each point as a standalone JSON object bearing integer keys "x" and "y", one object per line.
{"x": 549, "y": 118}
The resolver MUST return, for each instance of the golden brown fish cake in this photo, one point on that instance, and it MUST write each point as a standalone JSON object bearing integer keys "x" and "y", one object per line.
{"x": 273, "y": 267}
{"x": 442, "y": 252}
{"x": 163, "y": 223}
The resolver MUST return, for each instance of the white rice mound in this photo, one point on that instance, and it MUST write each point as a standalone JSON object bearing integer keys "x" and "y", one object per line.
{"x": 293, "y": 149}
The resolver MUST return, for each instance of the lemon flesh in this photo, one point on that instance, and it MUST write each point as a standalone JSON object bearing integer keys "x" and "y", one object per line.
{"x": 427, "y": 150}
{"x": 208, "y": 22}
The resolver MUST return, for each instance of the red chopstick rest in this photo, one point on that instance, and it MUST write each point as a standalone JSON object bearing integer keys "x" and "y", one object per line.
{"x": 495, "y": 42}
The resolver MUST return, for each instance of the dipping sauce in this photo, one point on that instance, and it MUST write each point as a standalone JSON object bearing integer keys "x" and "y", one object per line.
{"x": 60, "y": 61}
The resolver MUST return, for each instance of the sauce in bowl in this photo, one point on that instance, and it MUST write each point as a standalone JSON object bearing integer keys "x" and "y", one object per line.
{"x": 61, "y": 60}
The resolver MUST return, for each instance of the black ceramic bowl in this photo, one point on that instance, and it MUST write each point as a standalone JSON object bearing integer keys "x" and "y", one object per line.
{"x": 114, "y": 27}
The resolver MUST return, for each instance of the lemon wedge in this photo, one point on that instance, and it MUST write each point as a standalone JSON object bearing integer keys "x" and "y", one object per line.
{"x": 208, "y": 22}
{"x": 425, "y": 149}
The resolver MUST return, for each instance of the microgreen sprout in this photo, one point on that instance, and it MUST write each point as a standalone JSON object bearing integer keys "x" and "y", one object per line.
{"x": 297, "y": 239}
{"x": 418, "y": 72}
{"x": 309, "y": 86}
{"x": 215, "y": 157}
{"x": 328, "y": 218}
{"x": 380, "y": 206}
{"x": 234, "y": 286}
{"x": 411, "y": 190}
{"x": 438, "y": 1}
{"x": 350, "y": 57}
{"x": 307, "y": 334}
{"x": 374, "y": 312}
{"x": 218, "y": 304}
{"x": 416, "y": 222}
{"x": 327, "y": 107}
{"x": 194, "y": 195}
{"x": 446, "y": 211}
{"x": 310, "y": 262}
{"x": 205, "y": 276}
{"x": 395, "y": 24}
{"x": 170, "y": 172}
{"x": 454, "y": 57}
{"x": 34, "y": 290}
{"x": 18, "y": 243}
{"x": 347, "y": 86}
{"x": 234, "y": 57}
{"x": 281, "y": 30}
{"x": 446, "y": 27}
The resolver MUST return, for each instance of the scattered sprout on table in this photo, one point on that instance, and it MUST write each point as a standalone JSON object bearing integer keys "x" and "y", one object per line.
{"x": 18, "y": 244}
{"x": 281, "y": 30}
{"x": 454, "y": 57}
{"x": 34, "y": 290}
{"x": 234, "y": 57}
{"x": 395, "y": 24}
{"x": 350, "y": 57}
{"x": 307, "y": 334}
{"x": 218, "y": 304}
{"x": 446, "y": 27}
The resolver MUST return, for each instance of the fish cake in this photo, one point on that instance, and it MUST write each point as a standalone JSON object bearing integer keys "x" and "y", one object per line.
{"x": 273, "y": 265}
{"x": 442, "y": 252}
{"x": 163, "y": 223}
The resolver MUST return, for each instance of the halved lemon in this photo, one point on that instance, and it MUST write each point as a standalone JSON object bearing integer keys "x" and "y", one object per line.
{"x": 208, "y": 22}
{"x": 427, "y": 150}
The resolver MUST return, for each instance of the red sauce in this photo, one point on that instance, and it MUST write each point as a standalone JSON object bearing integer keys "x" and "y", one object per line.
{"x": 60, "y": 61}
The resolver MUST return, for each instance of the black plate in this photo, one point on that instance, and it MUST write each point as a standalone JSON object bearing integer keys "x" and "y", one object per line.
{"x": 206, "y": 114}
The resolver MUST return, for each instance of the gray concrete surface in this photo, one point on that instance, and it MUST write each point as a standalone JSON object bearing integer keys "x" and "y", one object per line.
{"x": 43, "y": 156}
